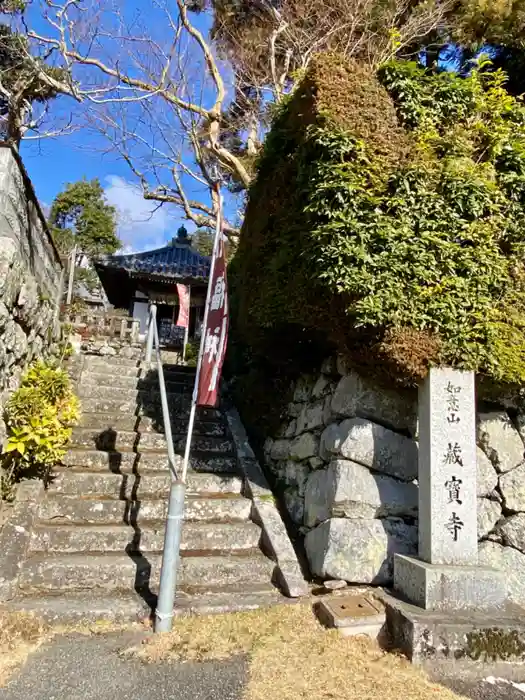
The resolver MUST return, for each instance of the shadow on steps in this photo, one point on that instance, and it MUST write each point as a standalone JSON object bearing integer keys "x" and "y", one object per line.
{"x": 106, "y": 441}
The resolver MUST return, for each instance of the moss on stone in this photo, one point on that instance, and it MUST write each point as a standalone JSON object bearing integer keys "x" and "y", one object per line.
{"x": 495, "y": 645}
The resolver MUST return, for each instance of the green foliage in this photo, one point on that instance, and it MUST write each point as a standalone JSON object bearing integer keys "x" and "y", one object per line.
{"x": 202, "y": 241}
{"x": 403, "y": 250}
{"x": 88, "y": 278}
{"x": 20, "y": 74}
{"x": 12, "y": 6}
{"x": 192, "y": 353}
{"x": 25, "y": 78}
{"x": 81, "y": 216}
{"x": 488, "y": 21}
{"x": 39, "y": 417}
{"x": 64, "y": 239}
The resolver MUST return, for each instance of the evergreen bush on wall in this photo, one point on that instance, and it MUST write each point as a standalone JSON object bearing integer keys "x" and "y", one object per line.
{"x": 39, "y": 417}
{"x": 388, "y": 214}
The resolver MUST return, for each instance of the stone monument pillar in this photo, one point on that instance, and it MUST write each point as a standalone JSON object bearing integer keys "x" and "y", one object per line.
{"x": 446, "y": 575}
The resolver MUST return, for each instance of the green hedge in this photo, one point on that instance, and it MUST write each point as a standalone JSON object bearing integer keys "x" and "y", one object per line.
{"x": 388, "y": 217}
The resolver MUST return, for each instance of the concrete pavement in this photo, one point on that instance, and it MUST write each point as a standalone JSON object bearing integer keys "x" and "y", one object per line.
{"x": 483, "y": 690}
{"x": 77, "y": 667}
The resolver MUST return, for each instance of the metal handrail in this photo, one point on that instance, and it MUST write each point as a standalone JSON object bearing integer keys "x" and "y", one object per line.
{"x": 153, "y": 343}
{"x": 172, "y": 537}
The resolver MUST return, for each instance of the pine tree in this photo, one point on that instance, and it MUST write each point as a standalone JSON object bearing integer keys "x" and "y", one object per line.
{"x": 82, "y": 220}
{"x": 26, "y": 80}
{"x": 80, "y": 216}
{"x": 202, "y": 241}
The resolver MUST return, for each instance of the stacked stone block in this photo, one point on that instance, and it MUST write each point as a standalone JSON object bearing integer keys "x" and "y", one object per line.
{"x": 346, "y": 460}
{"x": 30, "y": 279}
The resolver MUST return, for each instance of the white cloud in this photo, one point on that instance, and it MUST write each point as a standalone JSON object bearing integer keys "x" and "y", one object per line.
{"x": 141, "y": 225}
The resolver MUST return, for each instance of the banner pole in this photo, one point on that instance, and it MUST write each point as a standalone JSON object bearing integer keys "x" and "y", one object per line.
{"x": 218, "y": 233}
{"x": 187, "y": 329}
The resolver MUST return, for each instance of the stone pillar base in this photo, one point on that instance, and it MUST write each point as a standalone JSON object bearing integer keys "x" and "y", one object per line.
{"x": 475, "y": 643}
{"x": 448, "y": 588}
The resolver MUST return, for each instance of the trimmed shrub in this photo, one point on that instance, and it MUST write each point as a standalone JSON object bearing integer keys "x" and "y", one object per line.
{"x": 387, "y": 216}
{"x": 39, "y": 416}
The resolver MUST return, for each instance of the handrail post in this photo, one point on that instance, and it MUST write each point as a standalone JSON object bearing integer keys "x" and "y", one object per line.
{"x": 164, "y": 404}
{"x": 172, "y": 535}
{"x": 170, "y": 558}
{"x": 152, "y": 321}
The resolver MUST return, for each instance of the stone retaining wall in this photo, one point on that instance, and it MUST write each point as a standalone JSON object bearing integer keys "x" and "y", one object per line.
{"x": 108, "y": 347}
{"x": 122, "y": 347}
{"x": 345, "y": 461}
{"x": 30, "y": 278}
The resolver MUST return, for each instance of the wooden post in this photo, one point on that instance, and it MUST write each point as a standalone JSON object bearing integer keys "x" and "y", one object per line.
{"x": 71, "y": 275}
{"x": 135, "y": 330}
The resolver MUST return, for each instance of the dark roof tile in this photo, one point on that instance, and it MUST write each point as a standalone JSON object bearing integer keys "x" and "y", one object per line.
{"x": 179, "y": 261}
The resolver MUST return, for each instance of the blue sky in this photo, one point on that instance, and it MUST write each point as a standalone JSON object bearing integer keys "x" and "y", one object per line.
{"x": 53, "y": 162}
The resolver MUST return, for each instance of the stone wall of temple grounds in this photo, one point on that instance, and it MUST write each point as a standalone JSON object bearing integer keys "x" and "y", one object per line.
{"x": 345, "y": 462}
{"x": 30, "y": 278}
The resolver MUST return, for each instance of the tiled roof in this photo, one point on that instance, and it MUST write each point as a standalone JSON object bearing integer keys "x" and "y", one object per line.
{"x": 175, "y": 261}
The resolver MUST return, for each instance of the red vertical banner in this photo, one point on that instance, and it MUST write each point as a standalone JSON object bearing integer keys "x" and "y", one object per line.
{"x": 184, "y": 305}
{"x": 215, "y": 331}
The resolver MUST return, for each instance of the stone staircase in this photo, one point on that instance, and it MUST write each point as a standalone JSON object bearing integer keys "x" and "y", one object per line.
{"x": 96, "y": 542}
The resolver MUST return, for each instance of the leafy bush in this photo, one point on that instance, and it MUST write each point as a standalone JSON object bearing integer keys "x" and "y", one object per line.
{"x": 192, "y": 353}
{"x": 39, "y": 417}
{"x": 388, "y": 214}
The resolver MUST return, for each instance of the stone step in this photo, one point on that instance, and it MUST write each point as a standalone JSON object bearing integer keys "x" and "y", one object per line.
{"x": 111, "y": 439}
{"x": 127, "y": 462}
{"x": 110, "y": 369}
{"x": 141, "y": 395}
{"x": 172, "y": 358}
{"x": 204, "y": 427}
{"x": 113, "y": 365}
{"x": 76, "y": 572}
{"x": 146, "y": 424}
{"x": 196, "y": 537}
{"x": 149, "y": 405}
{"x": 90, "y": 382}
{"x": 142, "y": 378}
{"x": 123, "y": 381}
{"x": 170, "y": 371}
{"x": 113, "y": 361}
{"x": 120, "y": 607}
{"x": 70, "y": 482}
{"x": 179, "y": 408}
{"x": 71, "y": 509}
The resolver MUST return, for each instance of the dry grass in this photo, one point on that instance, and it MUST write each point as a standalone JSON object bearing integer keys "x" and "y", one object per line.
{"x": 292, "y": 657}
{"x": 20, "y": 635}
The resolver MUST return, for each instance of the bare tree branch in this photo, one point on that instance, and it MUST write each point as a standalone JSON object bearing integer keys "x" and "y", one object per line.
{"x": 155, "y": 83}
